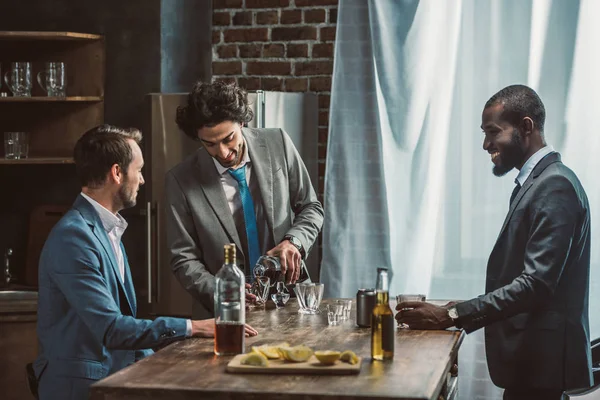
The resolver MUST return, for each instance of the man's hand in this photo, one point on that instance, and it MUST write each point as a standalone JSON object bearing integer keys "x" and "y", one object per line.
{"x": 290, "y": 260}
{"x": 422, "y": 315}
{"x": 206, "y": 328}
{"x": 203, "y": 328}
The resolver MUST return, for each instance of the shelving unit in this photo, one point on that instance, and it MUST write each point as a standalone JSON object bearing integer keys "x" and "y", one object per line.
{"x": 38, "y": 160}
{"x": 51, "y": 99}
{"x": 54, "y": 123}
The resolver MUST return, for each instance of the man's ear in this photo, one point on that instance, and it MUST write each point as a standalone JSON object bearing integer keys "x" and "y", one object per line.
{"x": 116, "y": 174}
{"x": 527, "y": 125}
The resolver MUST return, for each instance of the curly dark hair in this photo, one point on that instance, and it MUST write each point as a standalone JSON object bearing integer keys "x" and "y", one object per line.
{"x": 99, "y": 149}
{"x": 210, "y": 104}
{"x": 520, "y": 101}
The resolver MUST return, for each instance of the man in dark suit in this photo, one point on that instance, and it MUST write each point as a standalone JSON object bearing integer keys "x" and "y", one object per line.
{"x": 87, "y": 325}
{"x": 535, "y": 310}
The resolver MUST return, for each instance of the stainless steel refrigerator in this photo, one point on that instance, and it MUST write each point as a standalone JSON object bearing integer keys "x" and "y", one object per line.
{"x": 165, "y": 146}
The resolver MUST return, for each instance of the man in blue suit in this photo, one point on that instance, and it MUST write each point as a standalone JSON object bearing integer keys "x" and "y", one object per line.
{"x": 87, "y": 328}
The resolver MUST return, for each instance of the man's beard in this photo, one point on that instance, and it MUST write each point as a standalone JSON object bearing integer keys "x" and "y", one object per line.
{"x": 126, "y": 199}
{"x": 511, "y": 156}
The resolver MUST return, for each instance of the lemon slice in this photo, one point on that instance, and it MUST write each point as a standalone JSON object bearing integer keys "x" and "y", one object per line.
{"x": 254, "y": 359}
{"x": 327, "y": 357}
{"x": 349, "y": 357}
{"x": 270, "y": 352}
{"x": 297, "y": 353}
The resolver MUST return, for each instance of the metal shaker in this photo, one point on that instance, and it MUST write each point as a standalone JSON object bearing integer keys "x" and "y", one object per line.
{"x": 365, "y": 302}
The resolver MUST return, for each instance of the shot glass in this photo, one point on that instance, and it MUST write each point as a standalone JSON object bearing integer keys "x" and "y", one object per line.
{"x": 346, "y": 307}
{"x": 335, "y": 313}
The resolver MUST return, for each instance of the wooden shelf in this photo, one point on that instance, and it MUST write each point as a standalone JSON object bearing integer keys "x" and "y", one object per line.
{"x": 38, "y": 160}
{"x": 16, "y": 35}
{"x": 42, "y": 99}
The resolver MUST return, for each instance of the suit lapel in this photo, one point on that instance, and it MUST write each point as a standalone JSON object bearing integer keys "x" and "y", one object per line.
{"x": 92, "y": 218}
{"x": 210, "y": 182}
{"x": 539, "y": 168}
{"x": 263, "y": 168}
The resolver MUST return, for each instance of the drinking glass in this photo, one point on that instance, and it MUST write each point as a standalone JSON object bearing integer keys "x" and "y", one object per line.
{"x": 18, "y": 79}
{"x": 260, "y": 288}
{"x": 53, "y": 79}
{"x": 335, "y": 313}
{"x": 309, "y": 296}
{"x": 346, "y": 308}
{"x": 16, "y": 145}
{"x": 281, "y": 297}
{"x": 409, "y": 297}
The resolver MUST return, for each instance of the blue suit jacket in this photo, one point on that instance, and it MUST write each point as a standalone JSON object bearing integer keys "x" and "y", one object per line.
{"x": 86, "y": 316}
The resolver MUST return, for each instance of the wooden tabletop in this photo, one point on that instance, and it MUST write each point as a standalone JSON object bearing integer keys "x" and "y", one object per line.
{"x": 190, "y": 370}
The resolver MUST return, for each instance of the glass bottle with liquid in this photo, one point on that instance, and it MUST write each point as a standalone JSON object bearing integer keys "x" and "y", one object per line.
{"x": 382, "y": 320}
{"x": 230, "y": 307}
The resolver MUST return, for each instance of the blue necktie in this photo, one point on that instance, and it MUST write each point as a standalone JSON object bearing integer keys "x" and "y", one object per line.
{"x": 249, "y": 217}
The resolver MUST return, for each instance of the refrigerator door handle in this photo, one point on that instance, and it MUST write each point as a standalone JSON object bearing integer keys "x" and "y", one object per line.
{"x": 149, "y": 248}
{"x": 157, "y": 248}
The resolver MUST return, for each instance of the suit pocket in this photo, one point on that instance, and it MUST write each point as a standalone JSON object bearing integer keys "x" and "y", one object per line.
{"x": 80, "y": 368}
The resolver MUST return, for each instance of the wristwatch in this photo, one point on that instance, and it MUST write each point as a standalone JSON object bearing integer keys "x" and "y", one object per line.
{"x": 296, "y": 242}
{"x": 453, "y": 314}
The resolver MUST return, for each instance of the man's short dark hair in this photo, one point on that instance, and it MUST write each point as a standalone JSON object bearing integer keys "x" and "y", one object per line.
{"x": 99, "y": 149}
{"x": 520, "y": 101}
{"x": 210, "y": 104}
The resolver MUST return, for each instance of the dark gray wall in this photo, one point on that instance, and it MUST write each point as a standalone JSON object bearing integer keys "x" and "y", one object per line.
{"x": 151, "y": 46}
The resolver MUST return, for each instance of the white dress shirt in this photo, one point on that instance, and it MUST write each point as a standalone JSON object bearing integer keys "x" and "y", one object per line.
{"x": 115, "y": 225}
{"x": 531, "y": 163}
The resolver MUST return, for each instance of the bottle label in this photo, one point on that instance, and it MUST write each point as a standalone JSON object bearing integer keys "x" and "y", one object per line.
{"x": 388, "y": 333}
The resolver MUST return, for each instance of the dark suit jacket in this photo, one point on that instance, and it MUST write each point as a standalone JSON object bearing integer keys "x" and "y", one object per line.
{"x": 86, "y": 315}
{"x": 535, "y": 309}
{"x": 199, "y": 221}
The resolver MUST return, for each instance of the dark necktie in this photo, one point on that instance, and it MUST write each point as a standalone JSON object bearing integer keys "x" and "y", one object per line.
{"x": 249, "y": 217}
{"x": 514, "y": 193}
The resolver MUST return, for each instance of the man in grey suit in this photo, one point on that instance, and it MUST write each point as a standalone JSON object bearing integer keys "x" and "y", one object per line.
{"x": 243, "y": 186}
{"x": 535, "y": 309}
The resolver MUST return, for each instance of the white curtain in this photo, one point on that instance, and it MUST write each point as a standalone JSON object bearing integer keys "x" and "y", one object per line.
{"x": 408, "y": 185}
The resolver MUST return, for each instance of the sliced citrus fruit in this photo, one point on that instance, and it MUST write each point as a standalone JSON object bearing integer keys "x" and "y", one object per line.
{"x": 349, "y": 357}
{"x": 327, "y": 357}
{"x": 255, "y": 359}
{"x": 270, "y": 352}
{"x": 297, "y": 353}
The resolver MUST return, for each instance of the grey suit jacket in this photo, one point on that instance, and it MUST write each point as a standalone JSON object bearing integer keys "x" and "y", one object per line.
{"x": 199, "y": 221}
{"x": 537, "y": 288}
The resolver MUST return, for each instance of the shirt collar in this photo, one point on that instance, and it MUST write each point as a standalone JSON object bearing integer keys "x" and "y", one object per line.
{"x": 109, "y": 220}
{"x": 531, "y": 163}
{"x": 245, "y": 159}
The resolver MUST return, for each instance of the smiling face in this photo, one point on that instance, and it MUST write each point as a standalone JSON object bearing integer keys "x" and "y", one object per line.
{"x": 224, "y": 142}
{"x": 503, "y": 141}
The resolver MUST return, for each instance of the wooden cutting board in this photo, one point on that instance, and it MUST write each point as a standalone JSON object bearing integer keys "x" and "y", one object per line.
{"x": 312, "y": 366}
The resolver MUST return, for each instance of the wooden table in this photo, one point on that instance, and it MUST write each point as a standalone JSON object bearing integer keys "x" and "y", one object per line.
{"x": 190, "y": 370}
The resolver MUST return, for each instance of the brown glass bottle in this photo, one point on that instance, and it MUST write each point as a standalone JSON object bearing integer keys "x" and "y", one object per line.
{"x": 383, "y": 329}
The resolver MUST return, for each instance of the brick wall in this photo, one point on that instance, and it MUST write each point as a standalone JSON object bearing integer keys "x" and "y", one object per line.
{"x": 280, "y": 45}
